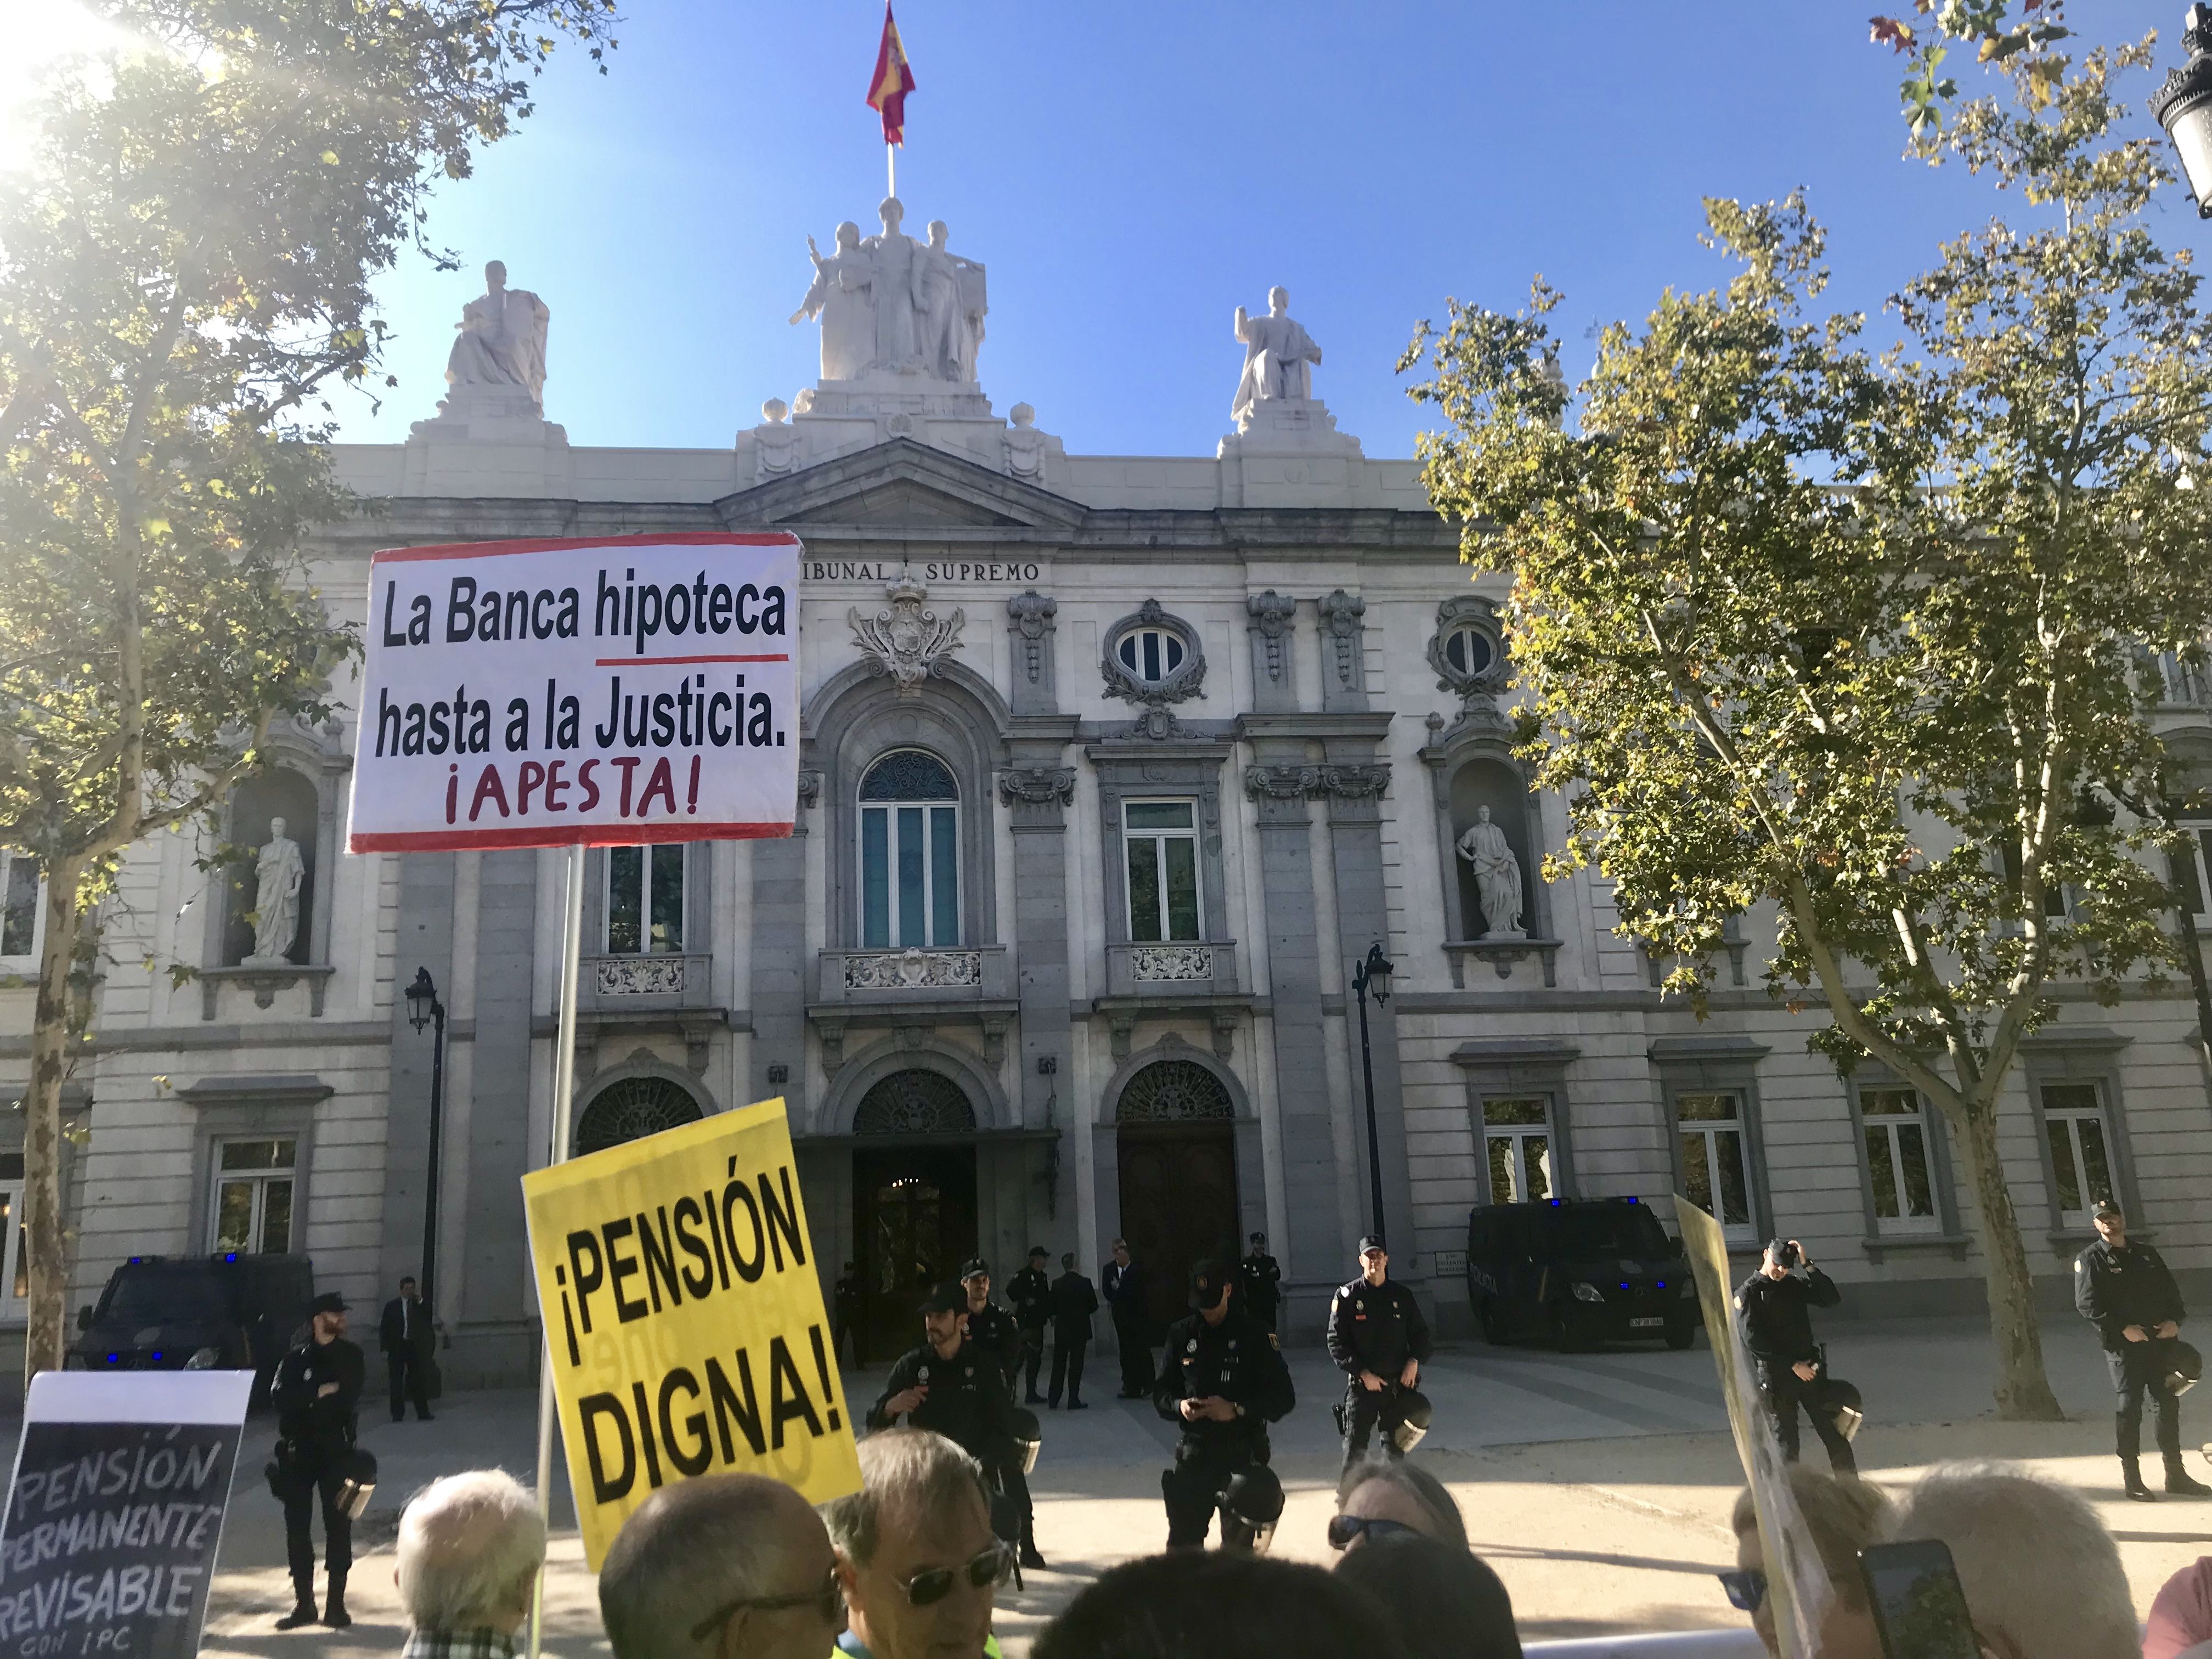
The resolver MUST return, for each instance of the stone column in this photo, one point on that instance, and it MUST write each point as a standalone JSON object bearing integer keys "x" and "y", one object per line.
{"x": 777, "y": 988}
{"x": 422, "y": 937}
{"x": 1313, "y": 1252}
{"x": 493, "y": 1263}
{"x": 1037, "y": 798}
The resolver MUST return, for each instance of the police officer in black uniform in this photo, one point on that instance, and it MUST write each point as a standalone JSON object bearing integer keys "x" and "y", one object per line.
{"x": 2126, "y": 1291}
{"x": 1261, "y": 1277}
{"x": 1772, "y": 1306}
{"x": 1378, "y": 1339}
{"x": 1030, "y": 1292}
{"x": 993, "y": 1328}
{"x": 1223, "y": 1382}
{"x": 316, "y": 1392}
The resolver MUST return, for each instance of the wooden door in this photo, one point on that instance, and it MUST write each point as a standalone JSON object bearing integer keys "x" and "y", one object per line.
{"x": 913, "y": 1224}
{"x": 1178, "y": 1206}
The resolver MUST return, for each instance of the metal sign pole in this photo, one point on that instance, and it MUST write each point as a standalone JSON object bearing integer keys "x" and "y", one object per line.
{"x": 564, "y": 1084}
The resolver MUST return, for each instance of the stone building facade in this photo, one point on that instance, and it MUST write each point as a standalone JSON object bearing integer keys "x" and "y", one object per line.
{"x": 1112, "y": 767}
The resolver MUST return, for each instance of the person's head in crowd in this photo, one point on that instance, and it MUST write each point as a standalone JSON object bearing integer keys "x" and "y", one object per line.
{"x": 2181, "y": 1618}
{"x": 1379, "y": 1497}
{"x": 1224, "y": 1604}
{"x": 920, "y": 1563}
{"x": 1444, "y": 1602}
{"x": 2042, "y": 1577}
{"x": 468, "y": 1552}
{"x": 724, "y": 1566}
{"x": 1843, "y": 1515}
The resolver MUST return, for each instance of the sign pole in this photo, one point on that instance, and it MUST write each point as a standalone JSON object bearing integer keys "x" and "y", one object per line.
{"x": 564, "y": 1084}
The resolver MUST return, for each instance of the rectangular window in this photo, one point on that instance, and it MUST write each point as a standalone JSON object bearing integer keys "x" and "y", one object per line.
{"x": 1516, "y": 1140}
{"x": 2193, "y": 873}
{"x": 253, "y": 1190}
{"x": 1159, "y": 840}
{"x": 22, "y": 920}
{"x": 2081, "y": 1155}
{"x": 14, "y": 1252}
{"x": 909, "y": 877}
{"x": 1896, "y": 1136}
{"x": 1717, "y": 1161}
{"x": 644, "y": 900}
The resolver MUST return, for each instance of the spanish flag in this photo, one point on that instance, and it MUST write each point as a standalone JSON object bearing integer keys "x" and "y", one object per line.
{"x": 893, "y": 79}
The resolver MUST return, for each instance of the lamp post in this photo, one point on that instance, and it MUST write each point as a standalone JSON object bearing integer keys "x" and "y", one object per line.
{"x": 2183, "y": 108}
{"x": 424, "y": 1009}
{"x": 1373, "y": 973}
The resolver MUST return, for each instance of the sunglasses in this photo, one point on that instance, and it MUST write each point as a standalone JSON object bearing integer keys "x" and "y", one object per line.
{"x": 1343, "y": 1529}
{"x": 1746, "y": 1588}
{"x": 828, "y": 1601}
{"x": 994, "y": 1566}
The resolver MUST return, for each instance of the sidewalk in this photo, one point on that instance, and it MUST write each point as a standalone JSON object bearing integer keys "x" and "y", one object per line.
{"x": 1597, "y": 1485}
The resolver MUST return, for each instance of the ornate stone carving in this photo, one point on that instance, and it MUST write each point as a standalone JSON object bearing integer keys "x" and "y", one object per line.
{"x": 632, "y": 1109}
{"x": 1185, "y": 678}
{"x": 890, "y": 305}
{"x": 1355, "y": 782}
{"x": 641, "y": 976}
{"x": 1281, "y": 782}
{"x": 809, "y": 789}
{"x": 1273, "y": 617}
{"x": 776, "y": 444}
{"x": 1340, "y": 615}
{"x": 914, "y": 1102}
{"x": 1171, "y": 962}
{"x": 1477, "y": 666}
{"x": 1029, "y": 617}
{"x": 913, "y": 969}
{"x": 1278, "y": 356}
{"x": 1173, "y": 1091}
{"x": 1037, "y": 785}
{"x": 1025, "y": 445}
{"x": 906, "y": 639}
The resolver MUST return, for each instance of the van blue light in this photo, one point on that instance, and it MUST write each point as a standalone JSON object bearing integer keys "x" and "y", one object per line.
{"x": 157, "y": 1353}
{"x": 115, "y": 1359}
{"x": 231, "y": 1256}
{"x": 1662, "y": 1283}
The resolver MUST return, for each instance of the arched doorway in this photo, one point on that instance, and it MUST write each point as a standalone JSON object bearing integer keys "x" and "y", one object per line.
{"x": 914, "y": 1189}
{"x": 1176, "y": 1130}
{"x": 631, "y": 1110}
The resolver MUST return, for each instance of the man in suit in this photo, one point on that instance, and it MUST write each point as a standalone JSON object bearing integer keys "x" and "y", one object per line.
{"x": 1073, "y": 1302}
{"x": 409, "y": 1345}
{"x": 1125, "y": 1294}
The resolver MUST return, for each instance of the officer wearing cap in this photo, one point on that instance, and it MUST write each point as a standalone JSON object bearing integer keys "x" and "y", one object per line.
{"x": 1378, "y": 1339}
{"x": 1223, "y": 1383}
{"x": 316, "y": 1392}
{"x": 990, "y": 1326}
{"x": 1772, "y": 1307}
{"x": 955, "y": 1386}
{"x": 1030, "y": 1292}
{"x": 1261, "y": 1278}
{"x": 2125, "y": 1288}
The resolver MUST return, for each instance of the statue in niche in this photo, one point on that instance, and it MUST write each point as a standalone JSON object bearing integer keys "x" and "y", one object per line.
{"x": 1497, "y": 875}
{"x": 502, "y": 338}
{"x": 1278, "y": 356}
{"x": 839, "y": 297}
{"x": 277, "y": 874}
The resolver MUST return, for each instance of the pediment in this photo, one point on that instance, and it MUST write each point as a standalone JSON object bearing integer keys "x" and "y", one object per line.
{"x": 902, "y": 484}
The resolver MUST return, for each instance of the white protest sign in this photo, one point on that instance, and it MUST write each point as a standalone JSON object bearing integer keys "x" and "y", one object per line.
{"x": 115, "y": 1511}
{"x": 602, "y": 691}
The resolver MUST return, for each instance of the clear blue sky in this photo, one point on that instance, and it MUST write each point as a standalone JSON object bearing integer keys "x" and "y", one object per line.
{"x": 1133, "y": 171}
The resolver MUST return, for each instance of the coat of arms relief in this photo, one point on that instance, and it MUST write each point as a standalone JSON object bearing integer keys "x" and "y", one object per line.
{"x": 906, "y": 639}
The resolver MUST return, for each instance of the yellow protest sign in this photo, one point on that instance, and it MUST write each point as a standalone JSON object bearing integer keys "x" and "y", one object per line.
{"x": 684, "y": 1318}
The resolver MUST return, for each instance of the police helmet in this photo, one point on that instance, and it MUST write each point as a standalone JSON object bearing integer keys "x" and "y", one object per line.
{"x": 1029, "y": 1438}
{"x": 356, "y": 1483}
{"x": 2184, "y": 1367}
{"x": 1843, "y": 1404}
{"x": 1413, "y": 1414}
{"x": 1251, "y": 1504}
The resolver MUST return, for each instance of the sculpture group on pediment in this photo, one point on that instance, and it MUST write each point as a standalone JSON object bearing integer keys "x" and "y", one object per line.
{"x": 892, "y": 304}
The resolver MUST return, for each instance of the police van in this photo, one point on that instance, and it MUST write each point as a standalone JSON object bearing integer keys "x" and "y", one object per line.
{"x": 1576, "y": 1272}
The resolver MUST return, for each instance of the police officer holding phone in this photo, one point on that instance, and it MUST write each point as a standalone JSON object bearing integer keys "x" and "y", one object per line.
{"x": 2125, "y": 1290}
{"x": 1223, "y": 1382}
{"x": 1772, "y": 1307}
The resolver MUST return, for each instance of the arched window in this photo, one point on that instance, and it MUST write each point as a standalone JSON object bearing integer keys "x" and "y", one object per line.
{"x": 1173, "y": 1091}
{"x": 909, "y": 852}
{"x": 914, "y": 1102}
{"x": 632, "y": 1109}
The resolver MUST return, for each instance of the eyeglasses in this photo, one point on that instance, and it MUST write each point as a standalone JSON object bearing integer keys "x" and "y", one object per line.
{"x": 828, "y": 1601}
{"x": 1343, "y": 1529}
{"x": 1746, "y": 1588}
{"x": 994, "y": 1566}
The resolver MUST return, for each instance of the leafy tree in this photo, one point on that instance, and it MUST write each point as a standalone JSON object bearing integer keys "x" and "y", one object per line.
{"x": 185, "y": 261}
{"x": 1900, "y": 713}
{"x": 1998, "y": 35}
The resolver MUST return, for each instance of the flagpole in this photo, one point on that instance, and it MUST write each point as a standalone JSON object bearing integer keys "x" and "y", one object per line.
{"x": 891, "y": 165}
{"x": 564, "y": 1084}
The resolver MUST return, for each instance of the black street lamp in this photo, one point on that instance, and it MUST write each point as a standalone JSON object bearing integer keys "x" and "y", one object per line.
{"x": 423, "y": 1008}
{"x": 1373, "y": 973}
{"x": 2183, "y": 108}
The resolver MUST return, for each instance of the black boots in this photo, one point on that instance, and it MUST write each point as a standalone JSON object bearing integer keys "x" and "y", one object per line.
{"x": 334, "y": 1612}
{"x": 2179, "y": 1481}
{"x": 2135, "y": 1489}
{"x": 302, "y": 1612}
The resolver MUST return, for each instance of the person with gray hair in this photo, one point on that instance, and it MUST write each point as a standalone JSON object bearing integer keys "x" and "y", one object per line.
{"x": 2042, "y": 1577}
{"x": 466, "y": 1561}
{"x": 919, "y": 1562}
{"x": 719, "y": 1566}
{"x": 1380, "y": 1496}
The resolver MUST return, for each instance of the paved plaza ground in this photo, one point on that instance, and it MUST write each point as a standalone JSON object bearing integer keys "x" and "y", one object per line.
{"x": 1597, "y": 1485}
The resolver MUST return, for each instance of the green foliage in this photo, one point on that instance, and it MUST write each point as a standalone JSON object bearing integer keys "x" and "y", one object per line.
{"x": 1858, "y": 635}
{"x": 2019, "y": 43}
